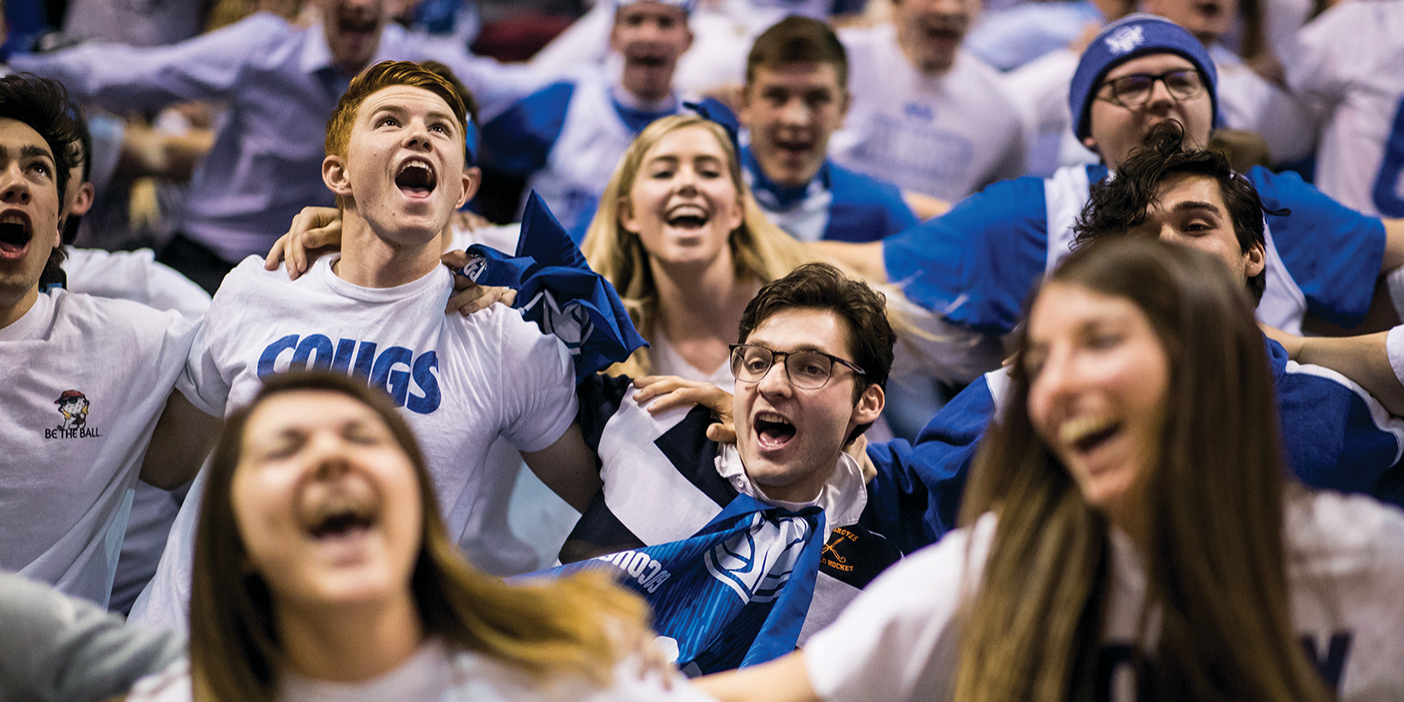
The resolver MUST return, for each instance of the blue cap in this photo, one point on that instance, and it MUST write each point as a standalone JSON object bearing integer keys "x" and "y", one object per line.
{"x": 686, "y": 6}
{"x": 1130, "y": 37}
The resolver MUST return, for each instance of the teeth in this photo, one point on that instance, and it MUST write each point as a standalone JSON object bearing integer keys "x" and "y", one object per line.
{"x": 1079, "y": 428}
{"x": 772, "y": 418}
{"x": 12, "y": 219}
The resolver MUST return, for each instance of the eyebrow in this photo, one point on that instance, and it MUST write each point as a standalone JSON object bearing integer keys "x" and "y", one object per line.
{"x": 29, "y": 151}
{"x": 1189, "y": 205}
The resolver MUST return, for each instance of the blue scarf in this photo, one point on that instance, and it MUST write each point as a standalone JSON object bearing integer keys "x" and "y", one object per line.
{"x": 734, "y": 594}
{"x": 774, "y": 196}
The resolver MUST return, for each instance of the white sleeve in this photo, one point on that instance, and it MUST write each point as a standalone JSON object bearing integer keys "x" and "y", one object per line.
{"x": 1325, "y": 56}
{"x": 898, "y": 639}
{"x": 538, "y": 384}
{"x": 203, "y": 382}
{"x": 1394, "y": 347}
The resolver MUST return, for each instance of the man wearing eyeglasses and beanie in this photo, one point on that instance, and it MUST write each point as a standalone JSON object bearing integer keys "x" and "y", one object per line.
{"x": 814, "y": 355}
{"x": 975, "y": 264}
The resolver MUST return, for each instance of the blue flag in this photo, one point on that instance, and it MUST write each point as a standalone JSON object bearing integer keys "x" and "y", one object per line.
{"x": 734, "y": 594}
{"x": 557, "y": 290}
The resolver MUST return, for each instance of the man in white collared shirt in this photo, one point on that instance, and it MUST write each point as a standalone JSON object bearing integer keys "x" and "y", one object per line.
{"x": 814, "y": 357}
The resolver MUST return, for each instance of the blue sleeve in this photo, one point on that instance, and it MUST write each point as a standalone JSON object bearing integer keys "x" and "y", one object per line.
{"x": 975, "y": 264}
{"x": 864, "y": 208}
{"x": 1335, "y": 435}
{"x": 915, "y": 498}
{"x": 124, "y": 78}
{"x": 1332, "y": 252}
{"x": 519, "y": 140}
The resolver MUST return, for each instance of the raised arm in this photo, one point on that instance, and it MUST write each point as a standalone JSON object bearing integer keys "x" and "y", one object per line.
{"x": 125, "y": 78}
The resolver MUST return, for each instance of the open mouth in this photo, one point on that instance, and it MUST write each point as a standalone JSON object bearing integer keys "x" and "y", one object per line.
{"x": 648, "y": 60}
{"x": 14, "y": 233}
{"x": 416, "y": 178}
{"x": 1087, "y": 433}
{"x": 688, "y": 217}
{"x": 356, "y": 24}
{"x": 341, "y": 518}
{"x": 794, "y": 146}
{"x": 773, "y": 430}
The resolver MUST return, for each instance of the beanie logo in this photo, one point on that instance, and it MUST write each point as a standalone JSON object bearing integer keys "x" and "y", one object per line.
{"x": 1126, "y": 39}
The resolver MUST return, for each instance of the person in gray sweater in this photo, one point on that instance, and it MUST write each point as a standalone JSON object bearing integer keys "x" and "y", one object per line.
{"x": 64, "y": 649}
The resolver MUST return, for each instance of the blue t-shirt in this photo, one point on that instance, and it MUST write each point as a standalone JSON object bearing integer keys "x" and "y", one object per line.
{"x": 976, "y": 263}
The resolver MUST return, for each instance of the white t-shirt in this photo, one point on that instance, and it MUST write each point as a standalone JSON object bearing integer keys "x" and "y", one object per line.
{"x": 87, "y": 379}
{"x": 462, "y": 383}
{"x": 1348, "y": 61}
{"x": 667, "y": 361}
{"x": 135, "y": 276}
{"x": 898, "y": 640}
{"x": 437, "y": 673}
{"x": 946, "y": 135}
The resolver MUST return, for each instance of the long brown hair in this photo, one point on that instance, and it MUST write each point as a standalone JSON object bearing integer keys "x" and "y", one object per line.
{"x": 760, "y": 251}
{"x": 575, "y": 626}
{"x": 1211, "y": 519}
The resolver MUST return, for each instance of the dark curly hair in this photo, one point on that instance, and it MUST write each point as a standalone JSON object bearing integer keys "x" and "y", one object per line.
{"x": 44, "y": 105}
{"x": 1119, "y": 204}
{"x": 823, "y": 287}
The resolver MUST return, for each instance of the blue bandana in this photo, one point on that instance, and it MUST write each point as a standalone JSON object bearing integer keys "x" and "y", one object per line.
{"x": 773, "y": 196}
{"x": 557, "y": 290}
{"x": 734, "y": 594}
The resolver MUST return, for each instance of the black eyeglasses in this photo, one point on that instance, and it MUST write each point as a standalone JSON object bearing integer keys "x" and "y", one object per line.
{"x": 807, "y": 370}
{"x": 1134, "y": 90}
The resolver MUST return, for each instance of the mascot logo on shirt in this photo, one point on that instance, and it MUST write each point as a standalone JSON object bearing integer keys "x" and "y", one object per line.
{"x": 757, "y": 563}
{"x": 1126, "y": 39}
{"x": 571, "y": 323}
{"x": 74, "y": 406}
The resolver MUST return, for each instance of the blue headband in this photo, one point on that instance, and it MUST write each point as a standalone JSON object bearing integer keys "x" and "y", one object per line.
{"x": 1130, "y": 37}
{"x": 687, "y": 6}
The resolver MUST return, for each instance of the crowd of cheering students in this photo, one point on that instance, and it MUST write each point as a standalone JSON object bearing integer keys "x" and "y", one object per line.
{"x": 863, "y": 369}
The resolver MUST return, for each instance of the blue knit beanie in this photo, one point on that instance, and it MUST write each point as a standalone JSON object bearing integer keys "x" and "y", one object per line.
{"x": 1130, "y": 37}
{"x": 685, "y": 5}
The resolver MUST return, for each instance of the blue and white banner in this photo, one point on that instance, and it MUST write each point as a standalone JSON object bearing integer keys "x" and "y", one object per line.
{"x": 557, "y": 290}
{"x": 734, "y": 594}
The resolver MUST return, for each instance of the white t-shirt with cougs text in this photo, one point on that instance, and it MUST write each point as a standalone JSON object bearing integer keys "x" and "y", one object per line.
{"x": 85, "y": 381}
{"x": 461, "y": 383}
{"x": 899, "y": 639}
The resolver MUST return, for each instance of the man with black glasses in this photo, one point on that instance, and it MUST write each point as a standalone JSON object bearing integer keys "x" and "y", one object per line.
{"x": 814, "y": 355}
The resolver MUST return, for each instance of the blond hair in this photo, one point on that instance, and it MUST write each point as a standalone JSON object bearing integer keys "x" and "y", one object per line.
{"x": 760, "y": 251}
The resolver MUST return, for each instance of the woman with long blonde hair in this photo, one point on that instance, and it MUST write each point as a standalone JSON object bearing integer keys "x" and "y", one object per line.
{"x": 323, "y": 571}
{"x": 682, "y": 240}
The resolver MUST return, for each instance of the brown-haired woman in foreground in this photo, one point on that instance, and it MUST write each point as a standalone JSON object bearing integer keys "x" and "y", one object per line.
{"x": 323, "y": 571}
{"x": 1129, "y": 534}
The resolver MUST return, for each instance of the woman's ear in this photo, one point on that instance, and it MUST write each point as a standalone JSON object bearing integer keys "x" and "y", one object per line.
{"x": 626, "y": 216}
